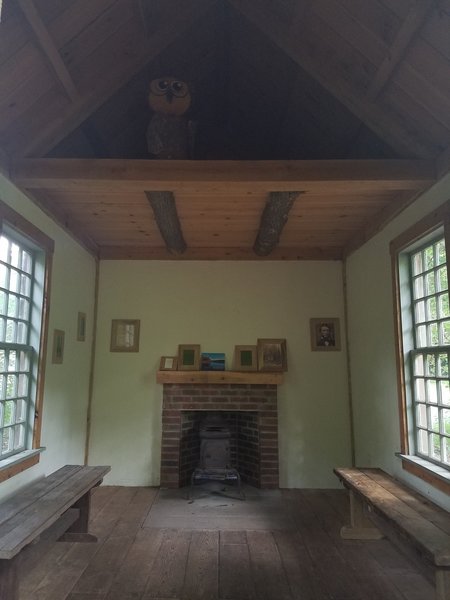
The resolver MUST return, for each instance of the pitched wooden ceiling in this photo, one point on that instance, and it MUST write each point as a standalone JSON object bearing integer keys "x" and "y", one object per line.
{"x": 346, "y": 102}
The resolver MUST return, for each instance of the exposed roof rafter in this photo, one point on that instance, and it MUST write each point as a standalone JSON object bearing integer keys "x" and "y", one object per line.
{"x": 78, "y": 111}
{"x": 368, "y": 112}
{"x": 48, "y": 48}
{"x": 409, "y": 29}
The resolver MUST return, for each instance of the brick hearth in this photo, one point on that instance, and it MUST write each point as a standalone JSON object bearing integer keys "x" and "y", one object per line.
{"x": 259, "y": 402}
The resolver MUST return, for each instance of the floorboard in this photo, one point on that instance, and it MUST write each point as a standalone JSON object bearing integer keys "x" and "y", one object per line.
{"x": 276, "y": 545}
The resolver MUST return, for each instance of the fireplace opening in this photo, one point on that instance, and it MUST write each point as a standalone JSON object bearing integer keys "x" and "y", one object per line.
{"x": 234, "y": 443}
{"x": 251, "y": 415}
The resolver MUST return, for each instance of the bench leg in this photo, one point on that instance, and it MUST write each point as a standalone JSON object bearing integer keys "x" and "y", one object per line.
{"x": 78, "y": 532}
{"x": 442, "y": 584}
{"x": 9, "y": 580}
{"x": 361, "y": 527}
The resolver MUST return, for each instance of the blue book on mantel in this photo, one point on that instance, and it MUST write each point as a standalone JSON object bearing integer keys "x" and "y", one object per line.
{"x": 213, "y": 361}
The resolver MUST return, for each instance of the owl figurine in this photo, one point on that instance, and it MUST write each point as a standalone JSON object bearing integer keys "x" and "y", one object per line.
{"x": 170, "y": 134}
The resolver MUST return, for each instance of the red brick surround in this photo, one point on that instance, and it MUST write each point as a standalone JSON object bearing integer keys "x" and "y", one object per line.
{"x": 189, "y": 397}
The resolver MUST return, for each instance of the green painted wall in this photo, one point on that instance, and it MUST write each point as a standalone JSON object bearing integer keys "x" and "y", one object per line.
{"x": 66, "y": 389}
{"x": 372, "y": 345}
{"x": 218, "y": 305}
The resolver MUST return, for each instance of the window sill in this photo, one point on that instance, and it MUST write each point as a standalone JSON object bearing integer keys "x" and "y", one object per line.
{"x": 19, "y": 462}
{"x": 432, "y": 474}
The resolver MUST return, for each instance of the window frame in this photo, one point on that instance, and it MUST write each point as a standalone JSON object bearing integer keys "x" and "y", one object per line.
{"x": 426, "y": 228}
{"x": 10, "y": 222}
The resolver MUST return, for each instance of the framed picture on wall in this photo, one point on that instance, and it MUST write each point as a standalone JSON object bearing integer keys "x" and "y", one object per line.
{"x": 125, "y": 335}
{"x": 189, "y": 357}
{"x": 272, "y": 354}
{"x": 325, "y": 334}
{"x": 58, "y": 347}
{"x": 245, "y": 358}
{"x": 81, "y": 327}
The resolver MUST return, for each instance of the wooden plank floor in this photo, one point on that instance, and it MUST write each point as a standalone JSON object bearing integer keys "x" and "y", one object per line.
{"x": 300, "y": 557}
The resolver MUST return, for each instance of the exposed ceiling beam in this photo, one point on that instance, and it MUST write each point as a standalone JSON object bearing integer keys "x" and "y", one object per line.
{"x": 294, "y": 45}
{"x": 71, "y": 117}
{"x": 166, "y": 217}
{"x": 405, "y": 35}
{"x": 48, "y": 48}
{"x": 312, "y": 176}
{"x": 273, "y": 219}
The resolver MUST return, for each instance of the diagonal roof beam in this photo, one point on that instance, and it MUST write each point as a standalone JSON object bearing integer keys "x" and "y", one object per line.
{"x": 71, "y": 117}
{"x": 407, "y": 32}
{"x": 48, "y": 47}
{"x": 377, "y": 119}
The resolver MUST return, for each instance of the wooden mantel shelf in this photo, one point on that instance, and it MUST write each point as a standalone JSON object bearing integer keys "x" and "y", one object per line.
{"x": 254, "y": 378}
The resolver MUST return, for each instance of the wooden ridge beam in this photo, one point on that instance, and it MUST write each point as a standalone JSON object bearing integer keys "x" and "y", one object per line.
{"x": 341, "y": 176}
{"x": 166, "y": 216}
{"x": 406, "y": 34}
{"x": 375, "y": 117}
{"x": 273, "y": 219}
{"x": 48, "y": 48}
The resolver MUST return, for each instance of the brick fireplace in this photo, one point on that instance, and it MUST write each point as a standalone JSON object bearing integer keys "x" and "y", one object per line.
{"x": 250, "y": 409}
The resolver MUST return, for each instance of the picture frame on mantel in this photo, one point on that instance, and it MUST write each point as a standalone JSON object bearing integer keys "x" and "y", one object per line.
{"x": 189, "y": 357}
{"x": 245, "y": 358}
{"x": 168, "y": 363}
{"x": 272, "y": 354}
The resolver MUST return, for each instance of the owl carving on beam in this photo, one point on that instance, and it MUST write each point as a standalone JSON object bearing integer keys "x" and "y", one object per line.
{"x": 170, "y": 133}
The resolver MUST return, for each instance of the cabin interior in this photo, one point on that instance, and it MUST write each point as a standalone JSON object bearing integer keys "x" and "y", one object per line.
{"x": 342, "y": 107}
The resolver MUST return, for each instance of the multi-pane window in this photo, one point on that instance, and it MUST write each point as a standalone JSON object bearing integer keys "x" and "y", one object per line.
{"x": 431, "y": 351}
{"x": 16, "y": 352}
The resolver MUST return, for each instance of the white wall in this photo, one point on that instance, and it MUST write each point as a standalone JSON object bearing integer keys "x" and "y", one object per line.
{"x": 372, "y": 345}
{"x": 66, "y": 385}
{"x": 219, "y": 305}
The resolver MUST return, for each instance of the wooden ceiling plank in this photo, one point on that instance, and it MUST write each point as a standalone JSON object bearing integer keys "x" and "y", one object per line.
{"x": 74, "y": 114}
{"x": 409, "y": 29}
{"x": 356, "y": 101}
{"x": 146, "y": 252}
{"x": 64, "y": 220}
{"x": 379, "y": 221}
{"x": 234, "y": 176}
{"x": 48, "y": 48}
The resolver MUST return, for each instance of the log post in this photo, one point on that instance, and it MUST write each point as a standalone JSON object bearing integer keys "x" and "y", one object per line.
{"x": 166, "y": 216}
{"x": 273, "y": 220}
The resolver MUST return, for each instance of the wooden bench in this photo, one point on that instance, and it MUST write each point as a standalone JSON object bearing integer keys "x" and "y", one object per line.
{"x": 62, "y": 497}
{"x": 381, "y": 505}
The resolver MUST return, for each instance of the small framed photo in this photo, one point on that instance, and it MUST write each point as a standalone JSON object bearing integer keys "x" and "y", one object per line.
{"x": 213, "y": 361}
{"x": 189, "y": 357}
{"x": 168, "y": 363}
{"x": 81, "y": 327}
{"x": 245, "y": 358}
{"x": 325, "y": 334}
{"x": 58, "y": 347}
{"x": 272, "y": 355}
{"x": 125, "y": 335}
